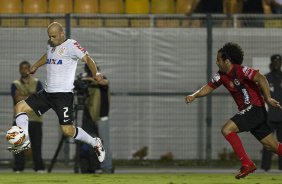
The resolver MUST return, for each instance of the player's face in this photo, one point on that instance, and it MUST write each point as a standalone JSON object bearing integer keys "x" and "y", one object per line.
{"x": 222, "y": 64}
{"x": 55, "y": 37}
{"x": 24, "y": 70}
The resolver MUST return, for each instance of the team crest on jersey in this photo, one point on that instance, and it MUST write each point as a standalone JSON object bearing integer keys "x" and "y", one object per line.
{"x": 61, "y": 51}
{"x": 54, "y": 61}
{"x": 236, "y": 82}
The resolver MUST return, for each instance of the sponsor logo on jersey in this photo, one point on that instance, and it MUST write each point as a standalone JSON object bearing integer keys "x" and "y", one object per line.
{"x": 245, "y": 110}
{"x": 54, "y": 61}
{"x": 79, "y": 47}
{"x": 246, "y": 96}
{"x": 215, "y": 78}
{"x": 248, "y": 71}
{"x": 244, "y": 68}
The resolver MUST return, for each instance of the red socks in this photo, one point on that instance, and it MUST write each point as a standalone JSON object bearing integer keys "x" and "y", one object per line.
{"x": 238, "y": 148}
{"x": 279, "y": 150}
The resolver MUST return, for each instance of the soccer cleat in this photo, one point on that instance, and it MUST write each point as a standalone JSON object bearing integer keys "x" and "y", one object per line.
{"x": 17, "y": 149}
{"x": 99, "y": 149}
{"x": 245, "y": 170}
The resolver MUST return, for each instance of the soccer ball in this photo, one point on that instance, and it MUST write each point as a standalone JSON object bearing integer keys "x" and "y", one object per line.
{"x": 15, "y": 135}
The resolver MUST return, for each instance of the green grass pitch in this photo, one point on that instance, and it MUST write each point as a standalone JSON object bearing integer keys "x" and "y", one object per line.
{"x": 30, "y": 178}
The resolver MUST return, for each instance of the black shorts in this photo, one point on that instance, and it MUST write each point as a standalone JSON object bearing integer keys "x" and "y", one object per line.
{"x": 61, "y": 103}
{"x": 253, "y": 119}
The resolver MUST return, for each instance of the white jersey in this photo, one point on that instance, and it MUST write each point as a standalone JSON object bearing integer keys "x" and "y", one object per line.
{"x": 61, "y": 66}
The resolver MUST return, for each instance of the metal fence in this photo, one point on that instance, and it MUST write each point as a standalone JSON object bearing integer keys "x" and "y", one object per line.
{"x": 152, "y": 62}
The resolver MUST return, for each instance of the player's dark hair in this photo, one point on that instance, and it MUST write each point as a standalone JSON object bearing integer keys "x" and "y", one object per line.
{"x": 25, "y": 63}
{"x": 233, "y": 52}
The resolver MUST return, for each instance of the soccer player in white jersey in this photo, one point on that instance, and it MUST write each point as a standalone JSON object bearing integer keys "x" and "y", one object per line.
{"x": 61, "y": 61}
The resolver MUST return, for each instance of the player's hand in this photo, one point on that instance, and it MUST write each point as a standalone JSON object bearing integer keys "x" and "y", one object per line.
{"x": 189, "y": 99}
{"x": 98, "y": 77}
{"x": 274, "y": 103}
{"x": 32, "y": 70}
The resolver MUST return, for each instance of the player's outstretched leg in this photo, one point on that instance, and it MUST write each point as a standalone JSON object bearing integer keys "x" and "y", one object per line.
{"x": 96, "y": 142}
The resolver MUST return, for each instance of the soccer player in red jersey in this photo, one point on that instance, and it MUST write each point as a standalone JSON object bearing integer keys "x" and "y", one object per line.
{"x": 245, "y": 85}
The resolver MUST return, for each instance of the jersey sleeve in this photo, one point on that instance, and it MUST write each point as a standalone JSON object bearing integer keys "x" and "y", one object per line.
{"x": 249, "y": 73}
{"x": 215, "y": 81}
{"x": 77, "y": 51}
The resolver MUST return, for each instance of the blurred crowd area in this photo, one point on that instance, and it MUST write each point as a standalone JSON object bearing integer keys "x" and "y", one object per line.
{"x": 139, "y": 6}
{"x": 139, "y": 13}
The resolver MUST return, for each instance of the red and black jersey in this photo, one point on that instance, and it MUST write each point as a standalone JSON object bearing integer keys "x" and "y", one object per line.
{"x": 239, "y": 82}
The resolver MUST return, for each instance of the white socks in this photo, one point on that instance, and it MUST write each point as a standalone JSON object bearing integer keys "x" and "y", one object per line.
{"x": 83, "y": 136}
{"x": 22, "y": 121}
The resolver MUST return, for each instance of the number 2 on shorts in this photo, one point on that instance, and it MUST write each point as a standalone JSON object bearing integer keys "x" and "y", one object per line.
{"x": 65, "y": 112}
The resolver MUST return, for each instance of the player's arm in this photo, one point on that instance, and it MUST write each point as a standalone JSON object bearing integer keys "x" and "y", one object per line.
{"x": 39, "y": 63}
{"x": 103, "y": 82}
{"x": 203, "y": 91}
{"x": 92, "y": 66}
{"x": 264, "y": 86}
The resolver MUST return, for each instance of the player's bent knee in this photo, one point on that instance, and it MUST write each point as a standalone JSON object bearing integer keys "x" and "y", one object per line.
{"x": 225, "y": 131}
{"x": 22, "y": 106}
{"x": 269, "y": 146}
{"x": 270, "y": 143}
{"x": 228, "y": 128}
{"x": 222, "y": 132}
